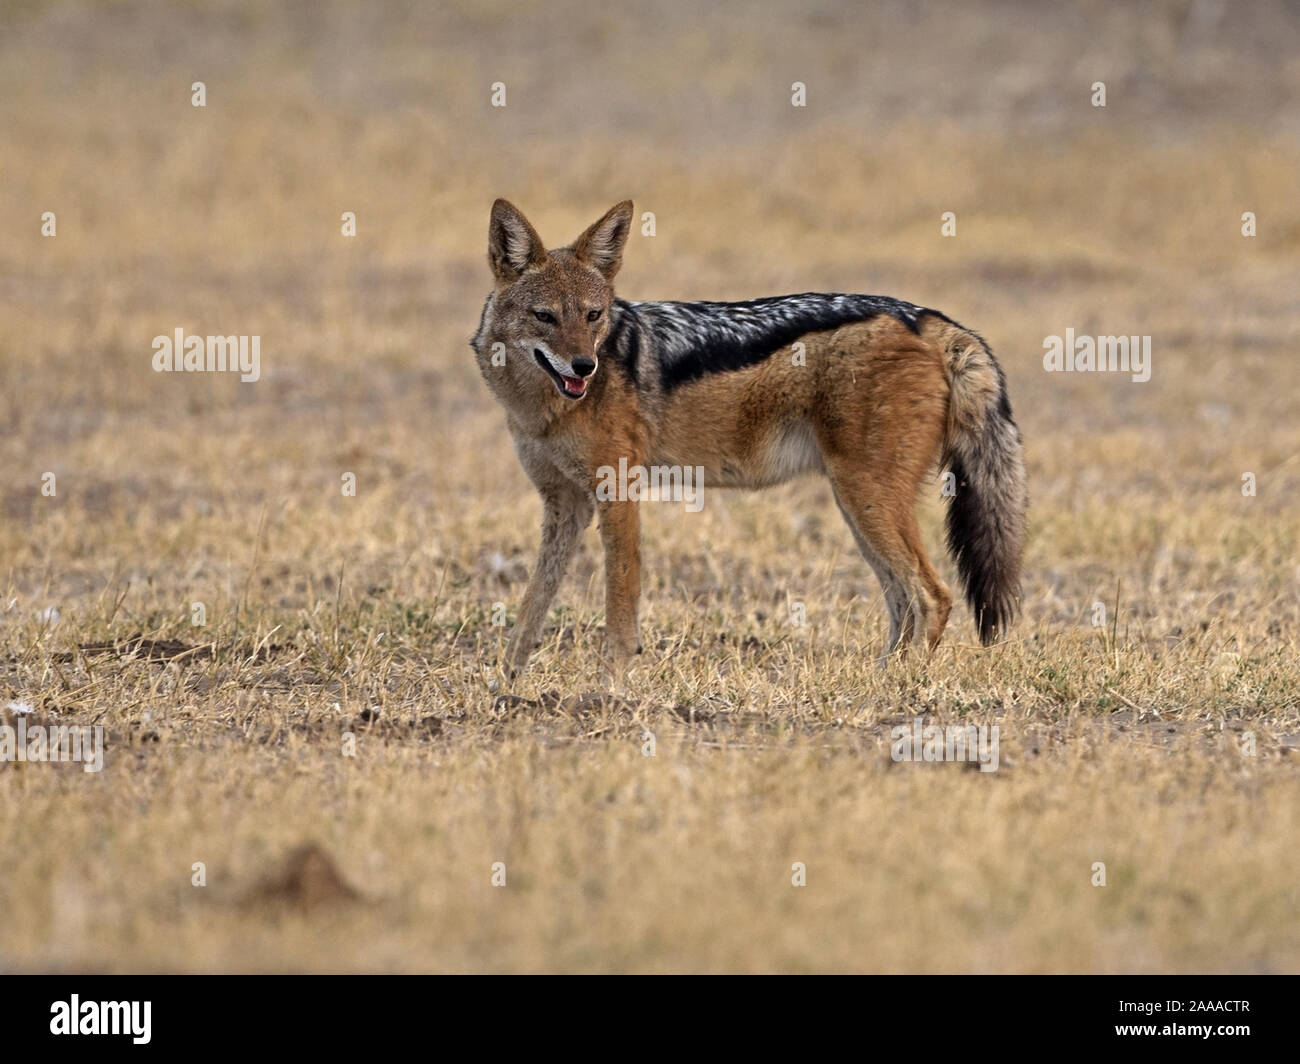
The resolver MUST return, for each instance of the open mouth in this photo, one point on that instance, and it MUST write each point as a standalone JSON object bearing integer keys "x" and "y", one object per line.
{"x": 570, "y": 387}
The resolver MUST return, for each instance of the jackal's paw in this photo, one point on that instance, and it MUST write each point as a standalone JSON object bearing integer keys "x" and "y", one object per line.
{"x": 614, "y": 667}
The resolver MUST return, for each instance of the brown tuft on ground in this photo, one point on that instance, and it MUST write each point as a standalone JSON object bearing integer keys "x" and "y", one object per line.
{"x": 307, "y": 879}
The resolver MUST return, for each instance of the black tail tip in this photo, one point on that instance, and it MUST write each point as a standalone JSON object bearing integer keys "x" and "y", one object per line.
{"x": 985, "y": 544}
{"x": 993, "y": 622}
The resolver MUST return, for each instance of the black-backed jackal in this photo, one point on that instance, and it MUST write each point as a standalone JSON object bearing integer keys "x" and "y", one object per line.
{"x": 885, "y": 392}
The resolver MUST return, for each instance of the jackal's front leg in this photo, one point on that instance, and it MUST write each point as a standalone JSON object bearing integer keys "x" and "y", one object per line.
{"x": 567, "y": 513}
{"x": 620, "y": 531}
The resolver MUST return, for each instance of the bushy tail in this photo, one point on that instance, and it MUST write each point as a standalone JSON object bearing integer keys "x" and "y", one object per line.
{"x": 986, "y": 515}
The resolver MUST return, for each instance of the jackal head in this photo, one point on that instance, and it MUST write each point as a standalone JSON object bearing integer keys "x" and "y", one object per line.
{"x": 548, "y": 314}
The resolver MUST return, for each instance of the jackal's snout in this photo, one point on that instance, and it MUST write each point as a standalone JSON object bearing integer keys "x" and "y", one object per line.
{"x": 570, "y": 377}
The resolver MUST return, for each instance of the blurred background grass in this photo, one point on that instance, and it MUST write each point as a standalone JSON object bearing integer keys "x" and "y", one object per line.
{"x": 226, "y": 219}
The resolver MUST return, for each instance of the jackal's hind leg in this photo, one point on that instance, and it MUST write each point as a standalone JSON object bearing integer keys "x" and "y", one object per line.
{"x": 896, "y": 602}
{"x": 884, "y": 525}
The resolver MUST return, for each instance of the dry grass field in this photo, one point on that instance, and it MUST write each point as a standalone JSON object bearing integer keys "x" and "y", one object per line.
{"x": 1163, "y": 742}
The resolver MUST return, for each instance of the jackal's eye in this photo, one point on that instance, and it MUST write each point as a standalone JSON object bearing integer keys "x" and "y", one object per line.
{"x": 544, "y": 316}
{"x": 594, "y": 315}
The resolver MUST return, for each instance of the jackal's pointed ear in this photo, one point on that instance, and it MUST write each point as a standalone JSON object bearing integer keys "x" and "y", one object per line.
{"x": 513, "y": 244}
{"x": 601, "y": 246}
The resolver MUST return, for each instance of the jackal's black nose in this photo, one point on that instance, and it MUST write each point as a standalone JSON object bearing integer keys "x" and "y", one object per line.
{"x": 584, "y": 367}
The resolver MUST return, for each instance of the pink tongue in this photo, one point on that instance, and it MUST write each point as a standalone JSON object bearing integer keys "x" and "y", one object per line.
{"x": 574, "y": 385}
